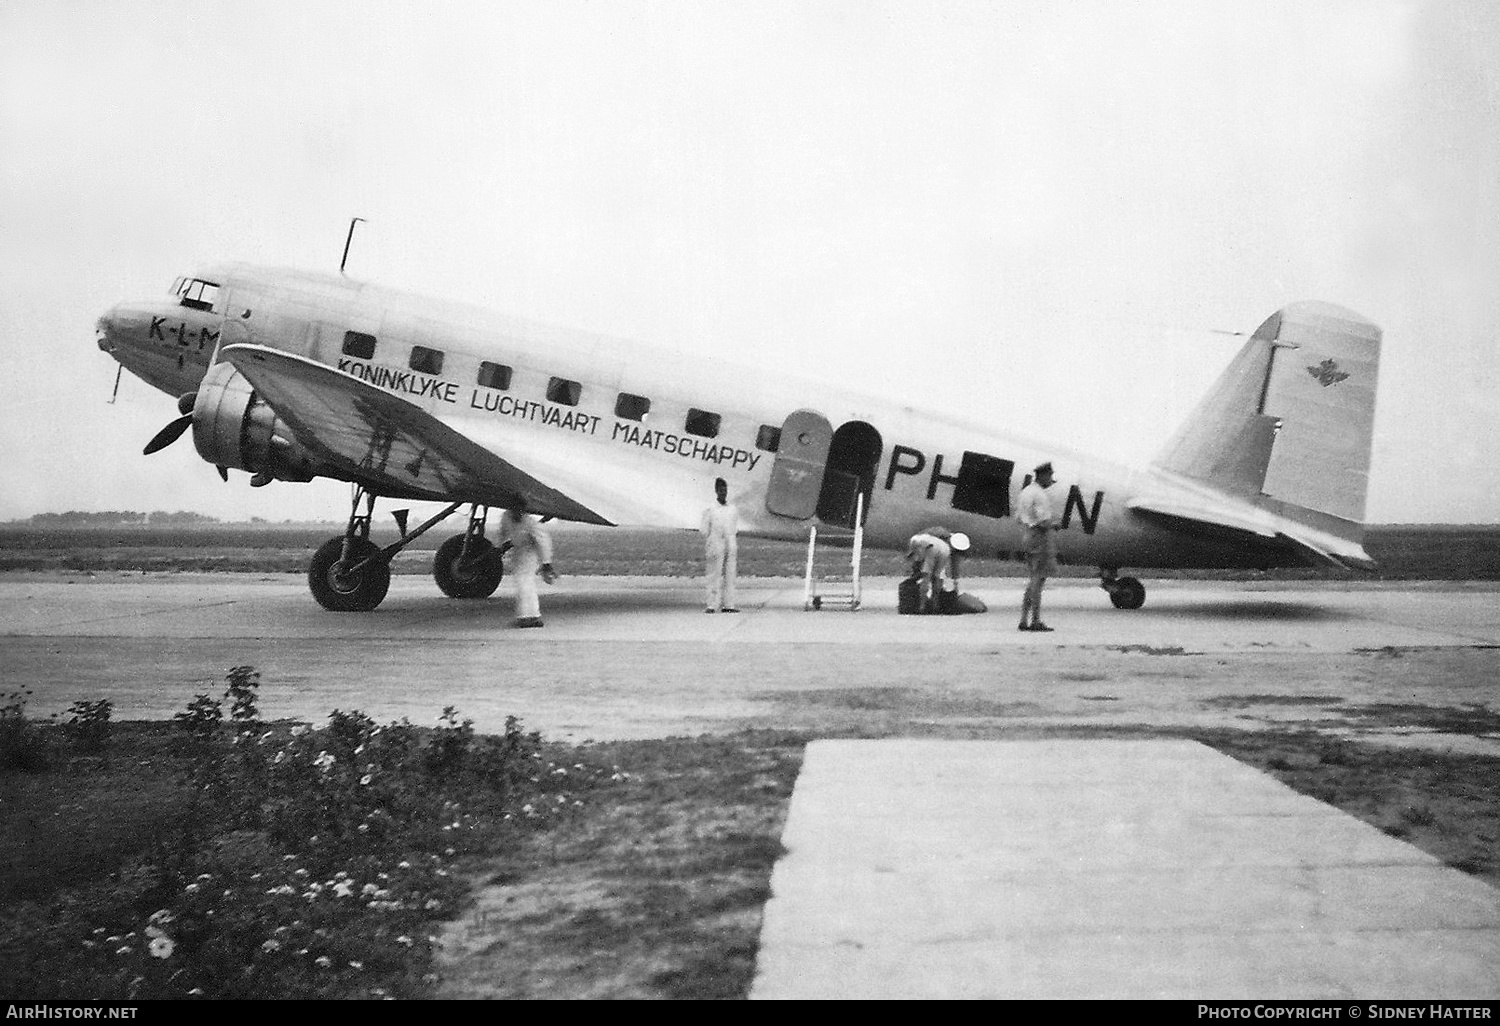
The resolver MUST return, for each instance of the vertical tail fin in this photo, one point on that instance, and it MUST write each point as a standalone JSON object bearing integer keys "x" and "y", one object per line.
{"x": 1292, "y": 416}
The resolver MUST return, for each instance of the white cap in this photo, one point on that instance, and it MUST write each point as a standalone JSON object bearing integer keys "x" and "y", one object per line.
{"x": 959, "y": 542}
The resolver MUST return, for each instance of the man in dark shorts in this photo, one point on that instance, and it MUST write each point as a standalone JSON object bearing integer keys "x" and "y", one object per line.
{"x": 1038, "y": 540}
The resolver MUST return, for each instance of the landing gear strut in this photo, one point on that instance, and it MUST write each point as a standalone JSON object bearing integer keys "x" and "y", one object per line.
{"x": 1124, "y": 592}
{"x": 350, "y": 574}
{"x": 468, "y": 565}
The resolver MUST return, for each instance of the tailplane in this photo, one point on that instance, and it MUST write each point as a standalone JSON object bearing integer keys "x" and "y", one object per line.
{"x": 1289, "y": 422}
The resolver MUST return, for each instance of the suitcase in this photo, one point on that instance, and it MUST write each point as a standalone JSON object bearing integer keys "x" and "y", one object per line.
{"x": 956, "y": 603}
{"x": 909, "y": 596}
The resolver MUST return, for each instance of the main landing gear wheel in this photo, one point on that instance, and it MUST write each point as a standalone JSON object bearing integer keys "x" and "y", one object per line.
{"x": 1126, "y": 593}
{"x": 341, "y": 589}
{"x": 474, "y": 577}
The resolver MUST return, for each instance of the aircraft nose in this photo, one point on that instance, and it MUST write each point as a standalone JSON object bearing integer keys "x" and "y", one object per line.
{"x": 104, "y": 331}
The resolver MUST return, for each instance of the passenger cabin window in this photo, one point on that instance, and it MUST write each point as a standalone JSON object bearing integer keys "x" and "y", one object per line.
{"x": 564, "y": 392}
{"x": 702, "y": 423}
{"x": 426, "y": 361}
{"x": 494, "y": 375}
{"x": 195, "y": 293}
{"x": 768, "y": 438}
{"x": 359, "y": 345}
{"x": 632, "y": 407}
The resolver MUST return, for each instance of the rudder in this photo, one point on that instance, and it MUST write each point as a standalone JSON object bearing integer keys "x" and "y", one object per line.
{"x": 1293, "y": 415}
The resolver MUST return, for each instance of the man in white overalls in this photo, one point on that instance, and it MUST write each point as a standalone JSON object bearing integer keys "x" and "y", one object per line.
{"x": 721, "y": 526}
{"x": 522, "y": 531}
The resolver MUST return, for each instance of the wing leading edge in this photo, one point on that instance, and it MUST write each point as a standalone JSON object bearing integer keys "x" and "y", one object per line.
{"x": 386, "y": 442}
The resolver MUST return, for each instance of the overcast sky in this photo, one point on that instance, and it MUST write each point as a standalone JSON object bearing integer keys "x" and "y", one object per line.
{"x": 1043, "y": 215}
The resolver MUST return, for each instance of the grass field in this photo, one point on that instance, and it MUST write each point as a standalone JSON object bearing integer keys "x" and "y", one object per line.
{"x": 1404, "y": 552}
{"x": 651, "y": 886}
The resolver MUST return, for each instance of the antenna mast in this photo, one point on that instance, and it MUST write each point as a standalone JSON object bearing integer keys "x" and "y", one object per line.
{"x": 347, "y": 240}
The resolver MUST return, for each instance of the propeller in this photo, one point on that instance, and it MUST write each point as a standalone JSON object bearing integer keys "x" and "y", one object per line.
{"x": 173, "y": 431}
{"x": 169, "y": 434}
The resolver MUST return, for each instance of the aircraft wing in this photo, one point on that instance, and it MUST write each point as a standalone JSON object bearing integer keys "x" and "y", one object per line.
{"x": 1255, "y": 525}
{"x": 388, "y": 443}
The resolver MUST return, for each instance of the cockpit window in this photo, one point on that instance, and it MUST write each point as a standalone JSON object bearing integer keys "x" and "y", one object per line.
{"x": 196, "y": 294}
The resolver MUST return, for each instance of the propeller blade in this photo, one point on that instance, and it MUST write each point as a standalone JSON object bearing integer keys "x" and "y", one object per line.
{"x": 223, "y": 473}
{"x": 169, "y": 434}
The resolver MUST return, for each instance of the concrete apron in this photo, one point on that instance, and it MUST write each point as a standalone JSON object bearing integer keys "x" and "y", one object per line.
{"x": 1102, "y": 869}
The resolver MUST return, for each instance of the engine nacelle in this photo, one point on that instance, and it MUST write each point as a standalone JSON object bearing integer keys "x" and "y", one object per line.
{"x": 233, "y": 427}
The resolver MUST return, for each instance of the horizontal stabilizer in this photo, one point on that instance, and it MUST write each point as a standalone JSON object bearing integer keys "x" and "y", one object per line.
{"x": 1207, "y": 519}
{"x": 1242, "y": 518}
{"x": 1333, "y": 549}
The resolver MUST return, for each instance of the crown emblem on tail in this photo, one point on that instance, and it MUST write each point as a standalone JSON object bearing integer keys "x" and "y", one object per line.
{"x": 1327, "y": 373}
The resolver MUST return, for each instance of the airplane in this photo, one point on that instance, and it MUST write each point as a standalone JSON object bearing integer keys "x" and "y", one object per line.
{"x": 292, "y": 375}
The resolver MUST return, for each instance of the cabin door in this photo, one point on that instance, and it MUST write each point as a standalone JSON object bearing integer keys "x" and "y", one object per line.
{"x": 797, "y": 474}
{"x": 853, "y": 460}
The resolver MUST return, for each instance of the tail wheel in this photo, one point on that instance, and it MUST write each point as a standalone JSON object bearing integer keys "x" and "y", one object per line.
{"x": 1128, "y": 593}
{"x": 337, "y": 588}
{"x": 474, "y": 577}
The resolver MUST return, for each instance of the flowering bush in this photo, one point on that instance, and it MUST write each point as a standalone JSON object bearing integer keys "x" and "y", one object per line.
{"x": 88, "y": 722}
{"x": 23, "y": 745}
{"x": 312, "y": 863}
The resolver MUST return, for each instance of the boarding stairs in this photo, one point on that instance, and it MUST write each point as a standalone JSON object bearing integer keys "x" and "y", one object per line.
{"x": 839, "y": 589}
